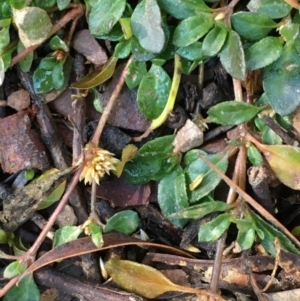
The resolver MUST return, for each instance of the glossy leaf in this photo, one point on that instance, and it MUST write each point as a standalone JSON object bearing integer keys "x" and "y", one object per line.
{"x": 33, "y": 25}
{"x": 44, "y": 4}
{"x": 192, "y": 29}
{"x": 289, "y": 32}
{"x": 26, "y": 290}
{"x": 98, "y": 76}
{"x": 153, "y": 161}
{"x": 135, "y": 73}
{"x": 210, "y": 179}
{"x": 140, "y": 53}
{"x": 126, "y": 27}
{"x": 65, "y": 234}
{"x": 215, "y": 228}
{"x": 254, "y": 156}
{"x": 53, "y": 197}
{"x": 123, "y": 49}
{"x": 153, "y": 92}
{"x": 56, "y": 43}
{"x": 63, "y": 4}
{"x": 246, "y": 239}
{"x": 263, "y": 53}
{"x": 172, "y": 195}
{"x": 96, "y": 234}
{"x": 42, "y": 80}
{"x": 270, "y": 233}
{"x": 198, "y": 211}
{"x": 146, "y": 24}
{"x": 251, "y": 25}
{"x": 275, "y": 9}
{"x": 232, "y": 112}
{"x": 232, "y": 56}
{"x": 104, "y": 14}
{"x": 285, "y": 163}
{"x": 177, "y": 8}
{"x": 14, "y": 269}
{"x": 281, "y": 81}
{"x": 214, "y": 41}
{"x": 197, "y": 5}
{"x": 126, "y": 222}
{"x": 192, "y": 52}
{"x": 4, "y": 37}
{"x": 58, "y": 76}
{"x": 26, "y": 62}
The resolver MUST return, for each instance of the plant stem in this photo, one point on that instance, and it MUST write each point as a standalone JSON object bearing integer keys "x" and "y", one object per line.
{"x": 95, "y": 139}
{"x": 70, "y": 15}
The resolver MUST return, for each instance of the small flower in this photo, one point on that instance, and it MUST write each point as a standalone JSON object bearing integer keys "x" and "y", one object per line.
{"x": 97, "y": 162}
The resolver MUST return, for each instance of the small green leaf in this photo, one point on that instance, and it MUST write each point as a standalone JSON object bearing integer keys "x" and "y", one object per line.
{"x": 263, "y": 53}
{"x": 25, "y": 63}
{"x": 104, "y": 14}
{"x": 210, "y": 178}
{"x": 29, "y": 174}
{"x": 26, "y": 290}
{"x": 98, "y": 76}
{"x": 58, "y": 76}
{"x": 65, "y": 234}
{"x": 289, "y": 32}
{"x": 146, "y": 24}
{"x": 232, "y": 56}
{"x": 214, "y": 40}
{"x": 63, "y": 4}
{"x": 270, "y": 137}
{"x": 42, "y": 80}
{"x": 4, "y": 37}
{"x": 33, "y": 24}
{"x": 246, "y": 239}
{"x": 97, "y": 100}
{"x": 123, "y": 49}
{"x": 18, "y": 4}
{"x": 275, "y": 9}
{"x": 255, "y": 156}
{"x": 252, "y": 26}
{"x": 126, "y": 221}
{"x": 215, "y": 228}
{"x": 153, "y": 92}
{"x": 232, "y": 112}
{"x": 96, "y": 234}
{"x": 56, "y": 43}
{"x": 281, "y": 81}
{"x": 14, "y": 269}
{"x": 192, "y": 29}
{"x": 177, "y": 8}
{"x": 3, "y": 237}
{"x": 172, "y": 195}
{"x": 53, "y": 197}
{"x": 198, "y": 5}
{"x": 140, "y": 53}
{"x": 44, "y": 4}
{"x": 126, "y": 27}
{"x": 192, "y": 52}
{"x": 135, "y": 73}
{"x": 199, "y": 211}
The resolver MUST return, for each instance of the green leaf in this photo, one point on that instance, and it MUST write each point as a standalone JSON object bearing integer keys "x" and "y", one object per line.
{"x": 270, "y": 137}
{"x": 153, "y": 92}
{"x": 14, "y": 269}
{"x": 192, "y": 29}
{"x": 33, "y": 25}
{"x": 146, "y": 24}
{"x": 29, "y": 174}
{"x": 2, "y": 71}
{"x": 232, "y": 56}
{"x": 232, "y": 112}
{"x": 275, "y": 9}
{"x": 104, "y": 14}
{"x": 97, "y": 100}
{"x": 269, "y": 235}
{"x": 192, "y": 52}
{"x": 172, "y": 195}
{"x": 177, "y": 8}
{"x": 5, "y": 10}
{"x": 214, "y": 40}
{"x": 246, "y": 239}
{"x": 65, "y": 234}
{"x": 98, "y": 76}
{"x": 58, "y": 76}
{"x": 126, "y": 27}
{"x": 4, "y": 37}
{"x": 63, "y": 4}
{"x": 126, "y": 221}
{"x": 53, "y": 197}
{"x": 42, "y": 80}
{"x": 18, "y": 4}
{"x": 197, "y": 5}
{"x": 289, "y": 32}
{"x": 140, "y": 53}
{"x": 210, "y": 178}
{"x": 281, "y": 81}
{"x": 215, "y": 228}
{"x": 25, "y": 63}
{"x": 44, "y": 4}
{"x": 153, "y": 161}
{"x": 198, "y": 211}
{"x": 252, "y": 26}
{"x": 263, "y": 53}
{"x": 255, "y": 156}
{"x": 96, "y": 234}
{"x": 26, "y": 290}
{"x": 123, "y": 49}
{"x": 135, "y": 73}
{"x": 3, "y": 237}
{"x": 56, "y": 43}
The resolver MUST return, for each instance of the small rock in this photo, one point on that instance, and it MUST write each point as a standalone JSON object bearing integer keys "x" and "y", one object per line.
{"x": 87, "y": 45}
{"x": 67, "y": 217}
{"x": 19, "y": 100}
